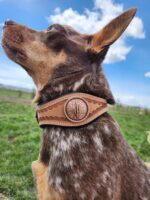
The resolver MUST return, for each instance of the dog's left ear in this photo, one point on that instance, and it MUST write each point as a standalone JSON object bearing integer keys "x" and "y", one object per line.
{"x": 100, "y": 41}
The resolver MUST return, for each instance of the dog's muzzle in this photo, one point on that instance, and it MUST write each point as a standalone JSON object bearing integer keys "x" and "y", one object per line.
{"x": 71, "y": 110}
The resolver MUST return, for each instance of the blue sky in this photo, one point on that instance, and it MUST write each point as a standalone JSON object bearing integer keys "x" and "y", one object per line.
{"x": 127, "y": 65}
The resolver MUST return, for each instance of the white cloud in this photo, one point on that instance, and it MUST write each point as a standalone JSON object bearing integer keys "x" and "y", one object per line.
{"x": 147, "y": 74}
{"x": 136, "y": 29}
{"x": 118, "y": 52}
{"x": 93, "y": 20}
{"x": 13, "y": 75}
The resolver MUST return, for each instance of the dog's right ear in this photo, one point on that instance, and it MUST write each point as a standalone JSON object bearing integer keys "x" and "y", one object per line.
{"x": 100, "y": 41}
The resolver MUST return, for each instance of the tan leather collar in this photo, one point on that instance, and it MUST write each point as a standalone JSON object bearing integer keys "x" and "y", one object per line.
{"x": 71, "y": 110}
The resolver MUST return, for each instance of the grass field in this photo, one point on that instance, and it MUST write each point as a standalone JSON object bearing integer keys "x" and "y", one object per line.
{"x": 20, "y": 137}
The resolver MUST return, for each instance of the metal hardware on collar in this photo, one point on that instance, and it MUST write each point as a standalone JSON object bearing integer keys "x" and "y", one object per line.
{"x": 76, "y": 109}
{"x": 71, "y": 110}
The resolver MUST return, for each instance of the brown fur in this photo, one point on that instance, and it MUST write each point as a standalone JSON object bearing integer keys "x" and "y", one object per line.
{"x": 37, "y": 59}
{"x": 40, "y": 171}
{"x": 91, "y": 162}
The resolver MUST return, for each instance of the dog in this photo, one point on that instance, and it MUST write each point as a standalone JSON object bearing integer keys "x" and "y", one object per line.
{"x": 88, "y": 162}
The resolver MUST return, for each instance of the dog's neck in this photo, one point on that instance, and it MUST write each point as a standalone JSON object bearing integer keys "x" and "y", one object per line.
{"x": 86, "y": 81}
{"x": 70, "y": 79}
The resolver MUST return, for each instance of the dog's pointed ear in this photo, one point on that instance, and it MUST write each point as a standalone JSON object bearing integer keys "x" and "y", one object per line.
{"x": 100, "y": 41}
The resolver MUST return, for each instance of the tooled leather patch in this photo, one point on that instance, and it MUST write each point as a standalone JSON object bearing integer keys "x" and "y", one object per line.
{"x": 71, "y": 110}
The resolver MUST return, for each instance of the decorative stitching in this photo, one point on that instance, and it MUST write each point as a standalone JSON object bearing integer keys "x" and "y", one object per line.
{"x": 50, "y": 118}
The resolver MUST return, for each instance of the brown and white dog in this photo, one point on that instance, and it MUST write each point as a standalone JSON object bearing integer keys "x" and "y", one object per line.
{"x": 90, "y": 162}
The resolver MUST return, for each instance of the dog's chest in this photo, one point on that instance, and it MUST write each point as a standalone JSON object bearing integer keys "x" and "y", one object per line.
{"x": 93, "y": 163}
{"x": 76, "y": 163}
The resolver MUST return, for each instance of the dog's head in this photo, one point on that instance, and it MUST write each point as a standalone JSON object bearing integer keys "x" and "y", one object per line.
{"x": 63, "y": 58}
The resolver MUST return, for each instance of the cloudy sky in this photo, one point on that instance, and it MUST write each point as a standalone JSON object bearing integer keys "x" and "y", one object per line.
{"x": 127, "y": 65}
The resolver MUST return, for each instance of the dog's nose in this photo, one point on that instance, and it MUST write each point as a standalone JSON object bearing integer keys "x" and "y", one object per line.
{"x": 9, "y": 22}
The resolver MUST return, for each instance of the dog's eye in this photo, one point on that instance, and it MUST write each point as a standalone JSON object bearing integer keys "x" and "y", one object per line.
{"x": 56, "y": 27}
{"x": 52, "y": 28}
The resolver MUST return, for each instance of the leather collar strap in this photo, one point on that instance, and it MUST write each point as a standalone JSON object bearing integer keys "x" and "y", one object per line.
{"x": 71, "y": 110}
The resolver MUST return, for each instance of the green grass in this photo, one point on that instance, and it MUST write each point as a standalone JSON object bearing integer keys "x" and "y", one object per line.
{"x": 15, "y": 94}
{"x": 134, "y": 123}
{"x": 19, "y": 146}
{"x": 20, "y": 138}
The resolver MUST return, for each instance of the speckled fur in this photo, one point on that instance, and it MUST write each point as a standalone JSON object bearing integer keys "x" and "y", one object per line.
{"x": 92, "y": 162}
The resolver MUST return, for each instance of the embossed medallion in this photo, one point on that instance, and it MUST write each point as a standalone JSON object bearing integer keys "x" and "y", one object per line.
{"x": 76, "y": 109}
